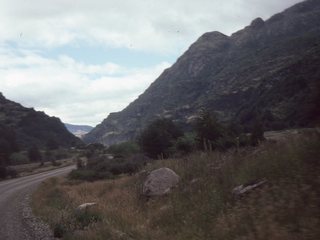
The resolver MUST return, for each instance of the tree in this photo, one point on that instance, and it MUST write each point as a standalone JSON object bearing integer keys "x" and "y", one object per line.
{"x": 257, "y": 133}
{"x": 34, "y": 154}
{"x": 158, "y": 137}
{"x": 8, "y": 143}
{"x": 3, "y": 169}
{"x": 185, "y": 144}
{"x": 208, "y": 130}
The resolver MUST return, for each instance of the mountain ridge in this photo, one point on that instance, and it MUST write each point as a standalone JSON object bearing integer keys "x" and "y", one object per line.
{"x": 259, "y": 69}
{"x": 33, "y": 127}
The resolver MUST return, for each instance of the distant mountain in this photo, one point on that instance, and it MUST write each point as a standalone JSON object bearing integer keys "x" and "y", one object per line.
{"x": 31, "y": 127}
{"x": 78, "y": 130}
{"x": 270, "y": 69}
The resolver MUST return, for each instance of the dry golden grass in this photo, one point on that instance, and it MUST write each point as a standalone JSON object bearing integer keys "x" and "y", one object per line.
{"x": 202, "y": 206}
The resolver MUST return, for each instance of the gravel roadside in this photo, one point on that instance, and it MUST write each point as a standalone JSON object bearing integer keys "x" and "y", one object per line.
{"x": 16, "y": 219}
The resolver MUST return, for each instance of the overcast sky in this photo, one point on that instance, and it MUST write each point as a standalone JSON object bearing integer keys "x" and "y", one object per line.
{"x": 79, "y": 60}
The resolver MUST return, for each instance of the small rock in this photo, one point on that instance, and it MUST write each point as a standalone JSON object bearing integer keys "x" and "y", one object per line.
{"x": 159, "y": 182}
{"x": 242, "y": 189}
{"x": 85, "y": 206}
{"x": 195, "y": 180}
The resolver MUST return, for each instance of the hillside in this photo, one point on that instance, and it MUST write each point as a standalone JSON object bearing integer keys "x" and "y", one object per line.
{"x": 31, "y": 127}
{"x": 269, "y": 69}
{"x": 78, "y": 130}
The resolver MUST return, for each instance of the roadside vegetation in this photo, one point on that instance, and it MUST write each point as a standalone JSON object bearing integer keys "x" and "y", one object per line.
{"x": 203, "y": 205}
{"x": 16, "y": 162}
{"x": 162, "y": 139}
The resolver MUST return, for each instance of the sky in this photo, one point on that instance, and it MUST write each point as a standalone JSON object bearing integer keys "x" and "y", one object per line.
{"x": 80, "y": 60}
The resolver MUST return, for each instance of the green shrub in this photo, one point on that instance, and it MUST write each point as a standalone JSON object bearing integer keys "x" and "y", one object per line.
{"x": 244, "y": 140}
{"x": 102, "y": 167}
{"x": 124, "y": 149}
{"x": 83, "y": 174}
{"x": 86, "y": 217}
{"x": 80, "y": 164}
{"x": 56, "y": 164}
{"x": 158, "y": 138}
{"x": 11, "y": 172}
{"x": 59, "y": 230}
{"x": 256, "y": 133}
{"x": 186, "y": 144}
{"x": 3, "y": 172}
{"x": 34, "y": 154}
{"x": 60, "y": 154}
{"x": 18, "y": 158}
{"x": 208, "y": 130}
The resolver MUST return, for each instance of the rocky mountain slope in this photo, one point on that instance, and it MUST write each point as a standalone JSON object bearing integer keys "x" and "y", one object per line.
{"x": 270, "y": 69}
{"x": 78, "y": 130}
{"x": 31, "y": 127}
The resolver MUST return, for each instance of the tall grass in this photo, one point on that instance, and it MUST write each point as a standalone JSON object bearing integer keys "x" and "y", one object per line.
{"x": 202, "y": 206}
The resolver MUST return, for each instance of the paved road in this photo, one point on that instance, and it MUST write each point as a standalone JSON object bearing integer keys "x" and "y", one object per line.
{"x": 16, "y": 220}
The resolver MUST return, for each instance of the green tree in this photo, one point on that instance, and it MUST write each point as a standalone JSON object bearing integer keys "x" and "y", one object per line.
{"x": 158, "y": 138}
{"x": 208, "y": 130}
{"x": 257, "y": 133}
{"x": 34, "y": 154}
{"x": 185, "y": 144}
{"x": 3, "y": 169}
{"x": 8, "y": 144}
{"x": 124, "y": 149}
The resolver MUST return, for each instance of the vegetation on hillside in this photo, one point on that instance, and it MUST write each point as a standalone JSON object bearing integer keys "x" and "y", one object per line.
{"x": 161, "y": 139}
{"x": 202, "y": 206}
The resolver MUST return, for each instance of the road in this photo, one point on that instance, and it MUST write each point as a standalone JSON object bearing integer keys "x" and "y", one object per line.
{"x": 16, "y": 220}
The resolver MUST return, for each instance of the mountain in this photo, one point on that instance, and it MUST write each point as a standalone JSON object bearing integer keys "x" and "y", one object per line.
{"x": 270, "y": 70}
{"x": 30, "y": 127}
{"x": 78, "y": 130}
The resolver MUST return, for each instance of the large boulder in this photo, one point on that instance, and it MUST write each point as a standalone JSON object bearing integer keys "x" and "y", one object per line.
{"x": 160, "y": 182}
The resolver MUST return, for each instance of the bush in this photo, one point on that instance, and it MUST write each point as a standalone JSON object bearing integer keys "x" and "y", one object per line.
{"x": 158, "y": 138}
{"x": 102, "y": 167}
{"x": 185, "y": 144}
{"x": 257, "y": 133}
{"x": 56, "y": 164}
{"x": 86, "y": 217}
{"x": 208, "y": 130}
{"x": 80, "y": 164}
{"x": 3, "y": 172}
{"x": 34, "y": 154}
{"x": 60, "y": 154}
{"x": 59, "y": 230}
{"x": 18, "y": 158}
{"x": 11, "y": 172}
{"x": 244, "y": 140}
{"x": 124, "y": 149}
{"x": 83, "y": 174}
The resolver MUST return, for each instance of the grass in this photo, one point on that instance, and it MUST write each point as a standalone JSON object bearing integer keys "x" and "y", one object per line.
{"x": 202, "y": 206}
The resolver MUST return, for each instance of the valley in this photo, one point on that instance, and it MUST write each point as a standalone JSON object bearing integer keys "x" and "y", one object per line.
{"x": 224, "y": 144}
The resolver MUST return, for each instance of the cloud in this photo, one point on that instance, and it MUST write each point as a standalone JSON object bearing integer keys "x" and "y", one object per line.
{"x": 146, "y": 25}
{"x": 76, "y": 92}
